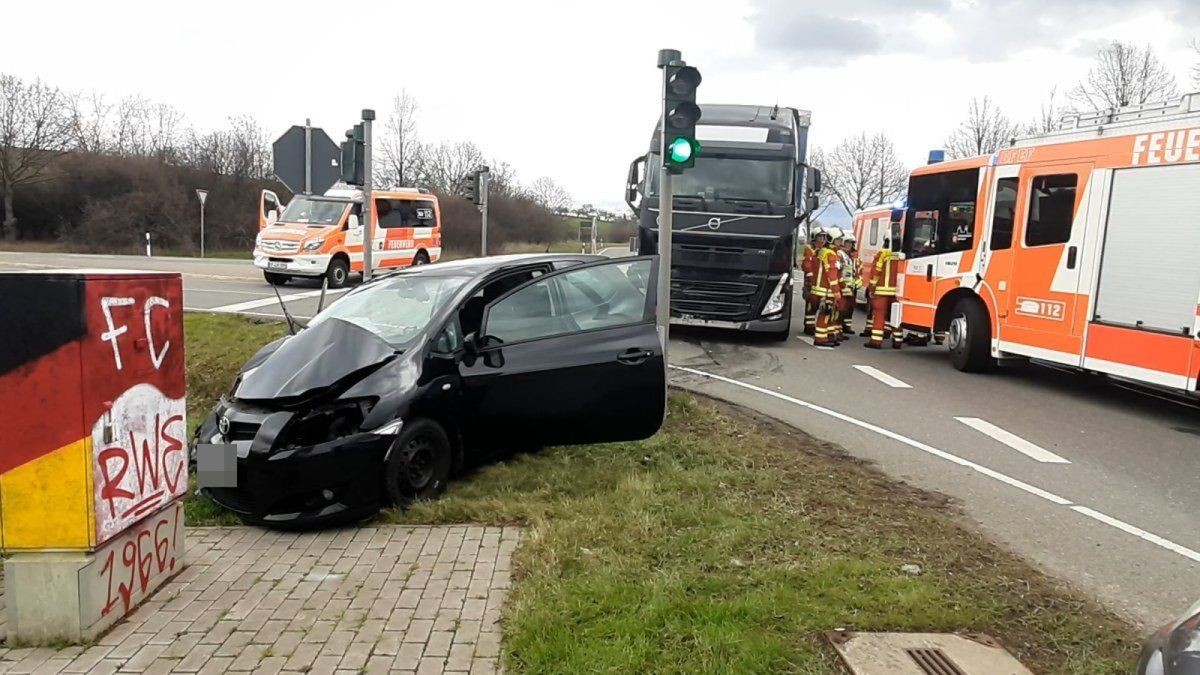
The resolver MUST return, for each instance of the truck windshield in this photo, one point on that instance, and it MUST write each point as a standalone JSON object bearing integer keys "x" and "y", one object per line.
{"x": 716, "y": 178}
{"x": 395, "y": 309}
{"x": 313, "y": 212}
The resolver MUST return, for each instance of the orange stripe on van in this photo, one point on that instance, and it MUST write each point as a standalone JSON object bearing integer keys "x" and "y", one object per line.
{"x": 1153, "y": 351}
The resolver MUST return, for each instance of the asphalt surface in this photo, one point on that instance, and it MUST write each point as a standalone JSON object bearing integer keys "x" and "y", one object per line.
{"x": 1093, "y": 482}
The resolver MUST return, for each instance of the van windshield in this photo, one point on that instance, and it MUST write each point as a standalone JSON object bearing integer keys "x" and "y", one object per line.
{"x": 395, "y": 309}
{"x": 313, "y": 212}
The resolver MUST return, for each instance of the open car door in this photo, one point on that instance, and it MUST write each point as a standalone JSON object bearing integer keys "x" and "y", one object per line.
{"x": 269, "y": 209}
{"x": 569, "y": 357}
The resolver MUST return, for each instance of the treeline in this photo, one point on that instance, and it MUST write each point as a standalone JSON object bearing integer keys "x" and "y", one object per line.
{"x": 98, "y": 174}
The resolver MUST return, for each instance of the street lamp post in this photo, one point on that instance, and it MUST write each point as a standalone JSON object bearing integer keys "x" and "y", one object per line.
{"x": 203, "y": 195}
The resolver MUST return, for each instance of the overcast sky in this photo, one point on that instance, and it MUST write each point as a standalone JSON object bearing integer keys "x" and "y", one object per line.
{"x": 568, "y": 88}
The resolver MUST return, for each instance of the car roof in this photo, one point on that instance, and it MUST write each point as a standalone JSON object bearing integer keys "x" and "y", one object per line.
{"x": 473, "y": 267}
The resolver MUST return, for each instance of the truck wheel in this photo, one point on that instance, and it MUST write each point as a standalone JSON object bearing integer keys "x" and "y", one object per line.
{"x": 275, "y": 278}
{"x": 418, "y": 465}
{"x": 969, "y": 337}
{"x": 421, "y": 258}
{"x": 338, "y": 272}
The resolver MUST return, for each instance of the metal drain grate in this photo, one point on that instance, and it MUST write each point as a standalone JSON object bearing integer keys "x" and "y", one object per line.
{"x": 934, "y": 661}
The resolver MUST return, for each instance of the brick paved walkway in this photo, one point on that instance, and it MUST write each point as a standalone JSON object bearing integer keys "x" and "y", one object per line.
{"x": 377, "y": 599}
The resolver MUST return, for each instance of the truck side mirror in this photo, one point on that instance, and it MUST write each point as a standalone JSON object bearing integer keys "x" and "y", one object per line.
{"x": 814, "y": 180}
{"x": 352, "y": 222}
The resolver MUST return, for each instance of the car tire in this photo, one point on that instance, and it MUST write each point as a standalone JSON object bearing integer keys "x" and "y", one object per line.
{"x": 276, "y": 279}
{"x": 338, "y": 273}
{"x": 969, "y": 337}
{"x": 418, "y": 464}
{"x": 421, "y": 258}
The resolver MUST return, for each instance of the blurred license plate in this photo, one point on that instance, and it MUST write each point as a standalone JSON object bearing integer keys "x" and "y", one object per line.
{"x": 216, "y": 465}
{"x": 276, "y": 265}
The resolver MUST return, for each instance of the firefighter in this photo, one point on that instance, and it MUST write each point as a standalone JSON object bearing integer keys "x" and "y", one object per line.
{"x": 881, "y": 289}
{"x": 827, "y": 289}
{"x": 809, "y": 265}
{"x": 851, "y": 282}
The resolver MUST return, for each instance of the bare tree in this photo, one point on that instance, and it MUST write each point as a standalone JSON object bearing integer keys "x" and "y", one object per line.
{"x": 442, "y": 165}
{"x": 1048, "y": 117}
{"x": 547, "y": 193}
{"x": 34, "y": 130}
{"x": 249, "y": 148}
{"x": 985, "y": 130}
{"x": 502, "y": 178}
{"x": 862, "y": 171}
{"x": 89, "y": 121}
{"x": 1195, "y": 44}
{"x": 1124, "y": 74}
{"x": 398, "y": 142}
{"x": 162, "y": 128}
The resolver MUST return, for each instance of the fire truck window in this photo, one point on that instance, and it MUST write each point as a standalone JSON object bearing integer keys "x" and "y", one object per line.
{"x": 1051, "y": 209}
{"x": 1002, "y": 219}
{"x": 941, "y": 215}
{"x": 874, "y": 231}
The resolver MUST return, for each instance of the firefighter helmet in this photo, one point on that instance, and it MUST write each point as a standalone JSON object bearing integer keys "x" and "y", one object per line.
{"x": 835, "y": 233}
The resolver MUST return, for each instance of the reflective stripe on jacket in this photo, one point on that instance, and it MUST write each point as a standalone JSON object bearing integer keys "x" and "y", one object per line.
{"x": 885, "y": 272}
{"x": 826, "y": 280}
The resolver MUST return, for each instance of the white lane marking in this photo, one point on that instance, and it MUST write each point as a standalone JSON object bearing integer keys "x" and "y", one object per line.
{"x": 272, "y": 300}
{"x": 190, "y": 289}
{"x": 990, "y": 473}
{"x": 1013, "y": 441}
{"x": 806, "y": 340}
{"x": 883, "y": 377}
{"x": 1138, "y": 532}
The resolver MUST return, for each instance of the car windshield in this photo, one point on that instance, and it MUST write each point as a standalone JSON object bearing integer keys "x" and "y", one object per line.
{"x": 715, "y": 178}
{"x": 395, "y": 309}
{"x": 313, "y": 212}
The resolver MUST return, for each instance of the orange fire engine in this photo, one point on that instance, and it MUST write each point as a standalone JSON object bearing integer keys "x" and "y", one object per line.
{"x": 870, "y": 229}
{"x": 318, "y": 236}
{"x": 1078, "y": 247}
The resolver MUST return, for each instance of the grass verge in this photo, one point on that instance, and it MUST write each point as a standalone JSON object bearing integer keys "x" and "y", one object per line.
{"x": 727, "y": 543}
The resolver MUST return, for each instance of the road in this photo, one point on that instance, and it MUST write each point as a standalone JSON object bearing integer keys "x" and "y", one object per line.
{"x": 1090, "y": 481}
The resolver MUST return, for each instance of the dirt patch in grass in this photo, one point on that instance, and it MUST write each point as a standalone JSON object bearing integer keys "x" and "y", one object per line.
{"x": 728, "y": 543}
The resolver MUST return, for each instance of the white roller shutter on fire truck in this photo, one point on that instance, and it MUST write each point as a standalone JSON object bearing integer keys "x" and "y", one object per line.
{"x": 1150, "y": 268}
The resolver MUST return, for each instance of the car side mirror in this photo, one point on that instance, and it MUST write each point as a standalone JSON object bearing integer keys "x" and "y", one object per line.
{"x": 353, "y": 222}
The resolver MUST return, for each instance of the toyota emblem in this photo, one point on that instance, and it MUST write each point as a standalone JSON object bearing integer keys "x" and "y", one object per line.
{"x": 223, "y": 425}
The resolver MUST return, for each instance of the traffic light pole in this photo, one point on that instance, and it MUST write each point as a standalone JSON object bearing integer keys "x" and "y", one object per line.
{"x": 666, "y": 202}
{"x": 484, "y": 197}
{"x": 368, "y": 116}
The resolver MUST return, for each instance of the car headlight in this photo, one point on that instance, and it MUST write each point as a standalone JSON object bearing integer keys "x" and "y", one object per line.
{"x": 325, "y": 423}
{"x": 1181, "y": 651}
{"x": 312, "y": 245}
{"x": 778, "y": 297}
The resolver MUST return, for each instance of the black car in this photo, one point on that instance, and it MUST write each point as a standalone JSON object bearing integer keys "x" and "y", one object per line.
{"x": 1175, "y": 648}
{"x": 408, "y": 378}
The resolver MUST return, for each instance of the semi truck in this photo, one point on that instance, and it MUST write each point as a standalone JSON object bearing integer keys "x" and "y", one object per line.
{"x": 739, "y": 217}
{"x": 1076, "y": 247}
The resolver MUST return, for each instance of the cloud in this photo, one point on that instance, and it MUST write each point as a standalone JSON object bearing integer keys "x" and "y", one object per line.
{"x": 822, "y": 38}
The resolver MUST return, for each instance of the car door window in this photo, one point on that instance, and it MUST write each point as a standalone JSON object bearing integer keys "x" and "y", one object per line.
{"x": 590, "y": 298}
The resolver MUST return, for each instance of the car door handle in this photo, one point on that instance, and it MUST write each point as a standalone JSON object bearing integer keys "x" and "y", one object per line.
{"x": 632, "y": 357}
{"x": 929, "y": 273}
{"x": 1072, "y": 252}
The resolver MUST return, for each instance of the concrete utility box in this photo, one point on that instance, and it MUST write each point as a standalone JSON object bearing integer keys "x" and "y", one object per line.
{"x": 93, "y": 458}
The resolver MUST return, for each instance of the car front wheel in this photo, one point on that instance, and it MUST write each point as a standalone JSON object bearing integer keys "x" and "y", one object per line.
{"x": 418, "y": 464}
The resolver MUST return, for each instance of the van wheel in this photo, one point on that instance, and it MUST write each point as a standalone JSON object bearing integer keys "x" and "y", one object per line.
{"x": 969, "y": 337}
{"x": 418, "y": 465}
{"x": 421, "y": 258}
{"x": 338, "y": 272}
{"x": 276, "y": 279}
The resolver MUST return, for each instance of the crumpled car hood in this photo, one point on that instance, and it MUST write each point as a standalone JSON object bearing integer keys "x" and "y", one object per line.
{"x": 313, "y": 359}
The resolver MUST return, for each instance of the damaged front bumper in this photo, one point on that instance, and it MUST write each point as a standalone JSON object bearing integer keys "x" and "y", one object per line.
{"x": 283, "y": 484}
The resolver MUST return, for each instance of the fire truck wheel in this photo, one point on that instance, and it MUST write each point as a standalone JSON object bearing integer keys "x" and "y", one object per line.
{"x": 338, "y": 272}
{"x": 418, "y": 464}
{"x": 969, "y": 337}
{"x": 275, "y": 278}
{"x": 421, "y": 258}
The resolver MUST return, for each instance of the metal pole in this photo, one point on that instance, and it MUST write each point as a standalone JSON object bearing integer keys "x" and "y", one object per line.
{"x": 484, "y": 185}
{"x": 665, "y": 198}
{"x": 148, "y": 254}
{"x": 594, "y": 233}
{"x": 368, "y": 116}
{"x": 307, "y": 156}
{"x": 201, "y": 228}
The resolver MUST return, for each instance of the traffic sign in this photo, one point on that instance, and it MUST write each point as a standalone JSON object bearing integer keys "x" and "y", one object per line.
{"x": 323, "y": 155}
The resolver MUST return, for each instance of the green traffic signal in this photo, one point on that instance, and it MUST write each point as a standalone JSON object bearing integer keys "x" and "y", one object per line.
{"x": 682, "y": 150}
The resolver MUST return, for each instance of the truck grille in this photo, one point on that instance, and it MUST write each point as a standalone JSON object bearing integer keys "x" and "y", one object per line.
{"x": 726, "y": 300}
{"x": 279, "y": 246}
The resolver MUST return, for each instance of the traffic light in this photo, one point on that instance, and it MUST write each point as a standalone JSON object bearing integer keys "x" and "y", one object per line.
{"x": 680, "y": 115}
{"x": 353, "y": 156}
{"x": 469, "y": 187}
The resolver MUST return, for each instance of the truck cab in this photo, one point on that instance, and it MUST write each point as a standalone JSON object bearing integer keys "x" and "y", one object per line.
{"x": 323, "y": 236}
